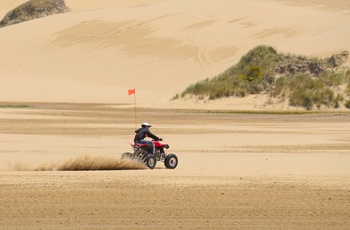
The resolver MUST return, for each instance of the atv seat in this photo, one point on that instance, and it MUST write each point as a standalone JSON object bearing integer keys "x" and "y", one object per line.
{"x": 146, "y": 147}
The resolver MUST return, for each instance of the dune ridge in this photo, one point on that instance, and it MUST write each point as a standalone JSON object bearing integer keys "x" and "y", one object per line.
{"x": 98, "y": 51}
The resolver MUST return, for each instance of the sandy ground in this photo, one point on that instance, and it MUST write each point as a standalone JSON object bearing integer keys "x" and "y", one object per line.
{"x": 236, "y": 171}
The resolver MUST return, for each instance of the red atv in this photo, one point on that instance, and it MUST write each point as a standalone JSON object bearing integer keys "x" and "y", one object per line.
{"x": 143, "y": 153}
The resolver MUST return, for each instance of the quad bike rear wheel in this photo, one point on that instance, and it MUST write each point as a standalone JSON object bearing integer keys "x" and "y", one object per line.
{"x": 171, "y": 161}
{"x": 150, "y": 161}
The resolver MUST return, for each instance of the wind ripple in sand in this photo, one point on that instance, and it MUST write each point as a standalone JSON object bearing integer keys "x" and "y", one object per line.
{"x": 85, "y": 163}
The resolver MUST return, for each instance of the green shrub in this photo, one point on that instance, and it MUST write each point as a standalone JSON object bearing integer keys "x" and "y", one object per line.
{"x": 281, "y": 87}
{"x": 347, "y": 104}
{"x": 253, "y": 73}
{"x": 265, "y": 56}
{"x": 334, "y": 79}
{"x": 302, "y": 98}
{"x": 305, "y": 81}
{"x": 327, "y": 97}
{"x": 347, "y": 81}
{"x": 337, "y": 100}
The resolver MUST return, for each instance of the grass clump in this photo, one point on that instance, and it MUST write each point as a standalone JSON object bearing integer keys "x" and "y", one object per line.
{"x": 14, "y": 106}
{"x": 306, "y": 91}
{"x": 247, "y": 77}
{"x": 347, "y": 82}
{"x": 347, "y": 104}
{"x": 33, "y": 9}
{"x": 305, "y": 82}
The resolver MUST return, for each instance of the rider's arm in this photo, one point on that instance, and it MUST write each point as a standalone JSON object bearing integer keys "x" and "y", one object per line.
{"x": 154, "y": 137}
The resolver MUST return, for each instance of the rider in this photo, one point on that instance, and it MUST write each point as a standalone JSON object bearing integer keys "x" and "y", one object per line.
{"x": 144, "y": 132}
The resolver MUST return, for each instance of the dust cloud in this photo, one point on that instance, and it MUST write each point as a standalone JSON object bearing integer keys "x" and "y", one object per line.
{"x": 82, "y": 163}
{"x": 86, "y": 163}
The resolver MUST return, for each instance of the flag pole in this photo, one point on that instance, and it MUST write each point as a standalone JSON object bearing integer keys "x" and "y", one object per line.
{"x": 133, "y": 91}
{"x": 135, "y": 108}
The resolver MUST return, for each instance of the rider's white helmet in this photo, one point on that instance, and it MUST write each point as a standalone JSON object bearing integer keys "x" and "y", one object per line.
{"x": 146, "y": 124}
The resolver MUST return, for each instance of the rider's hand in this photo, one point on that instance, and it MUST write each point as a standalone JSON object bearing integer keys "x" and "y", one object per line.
{"x": 160, "y": 139}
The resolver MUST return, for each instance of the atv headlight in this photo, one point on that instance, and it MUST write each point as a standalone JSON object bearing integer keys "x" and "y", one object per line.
{"x": 166, "y": 146}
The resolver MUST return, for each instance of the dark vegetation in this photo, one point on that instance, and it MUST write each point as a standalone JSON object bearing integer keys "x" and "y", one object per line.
{"x": 33, "y": 9}
{"x": 305, "y": 82}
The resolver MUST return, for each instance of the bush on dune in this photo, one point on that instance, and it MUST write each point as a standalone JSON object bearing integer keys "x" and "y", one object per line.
{"x": 33, "y": 9}
{"x": 306, "y": 91}
{"x": 304, "y": 82}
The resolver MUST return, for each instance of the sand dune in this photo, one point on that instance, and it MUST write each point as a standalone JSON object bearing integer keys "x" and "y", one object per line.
{"x": 100, "y": 49}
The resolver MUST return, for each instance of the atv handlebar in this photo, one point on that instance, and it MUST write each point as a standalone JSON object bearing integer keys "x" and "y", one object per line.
{"x": 160, "y": 139}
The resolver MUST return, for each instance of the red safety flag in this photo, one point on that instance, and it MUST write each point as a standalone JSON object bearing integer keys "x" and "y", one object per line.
{"x": 131, "y": 91}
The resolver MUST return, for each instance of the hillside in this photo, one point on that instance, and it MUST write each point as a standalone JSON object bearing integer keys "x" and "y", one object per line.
{"x": 33, "y": 9}
{"x": 100, "y": 49}
{"x": 303, "y": 81}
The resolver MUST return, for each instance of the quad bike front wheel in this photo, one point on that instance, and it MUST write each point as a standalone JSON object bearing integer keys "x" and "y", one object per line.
{"x": 171, "y": 161}
{"x": 150, "y": 161}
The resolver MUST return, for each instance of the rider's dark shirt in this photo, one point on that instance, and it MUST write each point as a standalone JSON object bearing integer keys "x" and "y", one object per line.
{"x": 142, "y": 133}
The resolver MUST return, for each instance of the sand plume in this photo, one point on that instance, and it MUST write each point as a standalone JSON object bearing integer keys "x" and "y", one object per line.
{"x": 87, "y": 162}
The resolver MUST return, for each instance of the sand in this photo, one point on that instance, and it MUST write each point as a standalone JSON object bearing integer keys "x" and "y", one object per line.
{"x": 245, "y": 171}
{"x": 243, "y": 164}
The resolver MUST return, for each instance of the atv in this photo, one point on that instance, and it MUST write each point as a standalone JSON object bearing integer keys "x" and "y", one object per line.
{"x": 143, "y": 153}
